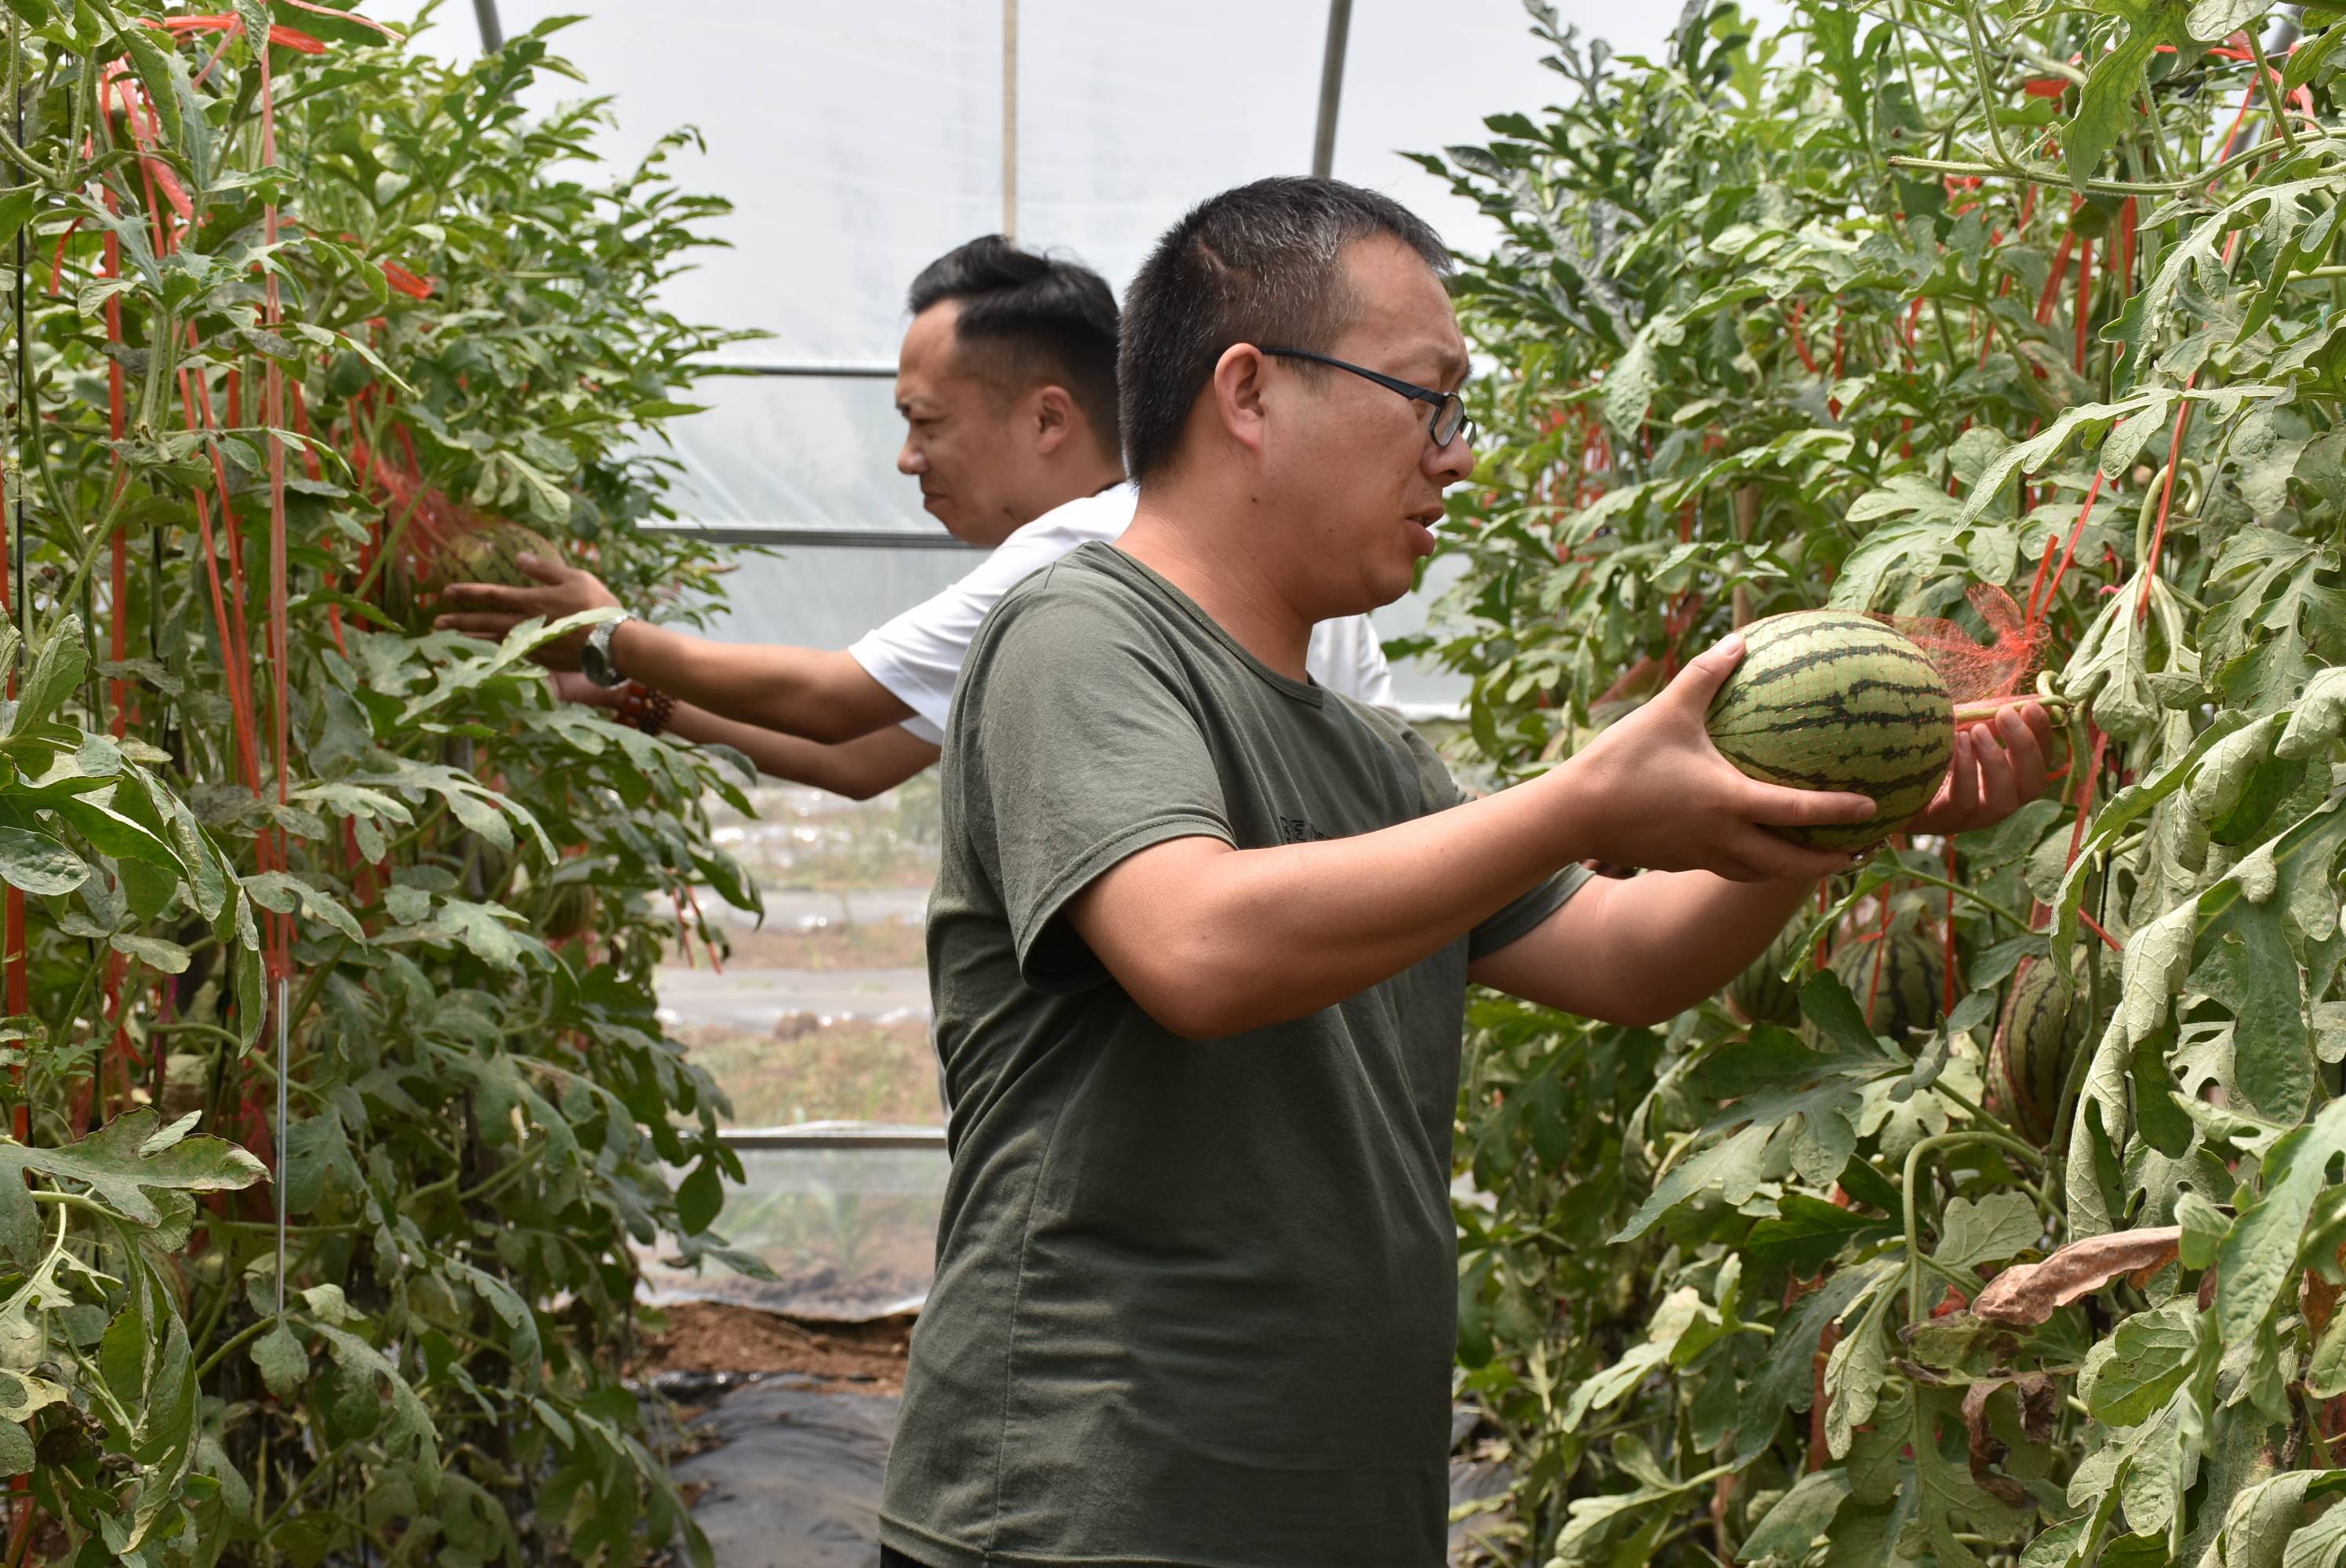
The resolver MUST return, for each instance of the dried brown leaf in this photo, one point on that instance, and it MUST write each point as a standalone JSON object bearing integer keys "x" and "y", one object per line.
{"x": 2029, "y": 1293}
{"x": 2034, "y": 1392}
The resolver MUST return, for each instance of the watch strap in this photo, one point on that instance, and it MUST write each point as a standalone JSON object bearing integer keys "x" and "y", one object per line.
{"x": 595, "y": 661}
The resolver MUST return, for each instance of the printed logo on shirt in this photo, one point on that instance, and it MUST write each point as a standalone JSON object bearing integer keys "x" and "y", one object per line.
{"x": 1295, "y": 831}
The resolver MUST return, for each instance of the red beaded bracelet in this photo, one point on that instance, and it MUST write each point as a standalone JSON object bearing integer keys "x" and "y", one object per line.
{"x": 647, "y": 710}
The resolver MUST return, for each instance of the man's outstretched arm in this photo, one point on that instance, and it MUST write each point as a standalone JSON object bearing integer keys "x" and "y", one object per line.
{"x": 821, "y": 694}
{"x": 858, "y": 769}
{"x": 1639, "y": 951}
{"x": 1211, "y": 940}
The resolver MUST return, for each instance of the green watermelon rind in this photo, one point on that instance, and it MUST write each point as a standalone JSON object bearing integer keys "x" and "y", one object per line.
{"x": 2041, "y": 1028}
{"x": 1824, "y": 700}
{"x": 1912, "y": 989}
{"x": 1761, "y": 995}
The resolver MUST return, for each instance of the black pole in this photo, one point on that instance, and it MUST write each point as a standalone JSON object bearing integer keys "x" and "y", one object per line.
{"x": 1331, "y": 87}
{"x": 493, "y": 32}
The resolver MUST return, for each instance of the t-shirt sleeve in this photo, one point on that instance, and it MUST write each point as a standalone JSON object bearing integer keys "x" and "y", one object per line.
{"x": 1517, "y": 919}
{"x": 917, "y": 654}
{"x": 1076, "y": 746}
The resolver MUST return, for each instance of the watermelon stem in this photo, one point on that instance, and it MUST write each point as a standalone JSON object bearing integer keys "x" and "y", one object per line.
{"x": 1915, "y": 1257}
{"x": 1985, "y": 708}
{"x": 2000, "y": 911}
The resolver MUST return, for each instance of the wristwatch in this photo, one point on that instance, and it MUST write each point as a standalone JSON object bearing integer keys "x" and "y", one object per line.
{"x": 595, "y": 658}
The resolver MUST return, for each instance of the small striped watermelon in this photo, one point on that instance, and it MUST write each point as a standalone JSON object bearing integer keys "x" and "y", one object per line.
{"x": 1900, "y": 978}
{"x": 2042, "y": 1028}
{"x": 1829, "y": 700}
{"x": 1761, "y": 994}
{"x": 488, "y": 553}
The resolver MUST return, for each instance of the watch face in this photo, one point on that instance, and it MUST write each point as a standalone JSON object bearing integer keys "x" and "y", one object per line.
{"x": 595, "y": 658}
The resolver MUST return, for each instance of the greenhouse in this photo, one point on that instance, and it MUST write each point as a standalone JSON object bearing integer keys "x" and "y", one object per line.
{"x": 1329, "y": 785}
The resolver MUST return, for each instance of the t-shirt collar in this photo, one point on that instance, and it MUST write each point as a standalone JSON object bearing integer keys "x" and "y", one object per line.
{"x": 1150, "y": 582}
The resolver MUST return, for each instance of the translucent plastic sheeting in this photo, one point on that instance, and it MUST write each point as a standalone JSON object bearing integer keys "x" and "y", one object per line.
{"x": 858, "y": 143}
{"x": 826, "y": 597}
{"x": 824, "y": 456}
{"x": 850, "y": 1233}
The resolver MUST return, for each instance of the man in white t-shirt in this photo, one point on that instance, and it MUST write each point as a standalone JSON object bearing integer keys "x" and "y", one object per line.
{"x": 1006, "y": 382}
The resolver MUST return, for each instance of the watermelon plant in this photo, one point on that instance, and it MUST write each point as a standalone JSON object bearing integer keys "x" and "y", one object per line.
{"x": 1998, "y": 1219}
{"x": 338, "y": 1100}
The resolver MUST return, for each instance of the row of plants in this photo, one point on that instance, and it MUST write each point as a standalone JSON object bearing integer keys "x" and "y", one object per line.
{"x": 1996, "y": 1216}
{"x": 338, "y": 1102}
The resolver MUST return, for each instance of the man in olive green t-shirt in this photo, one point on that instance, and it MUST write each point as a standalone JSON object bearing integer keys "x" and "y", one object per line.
{"x": 1202, "y": 938}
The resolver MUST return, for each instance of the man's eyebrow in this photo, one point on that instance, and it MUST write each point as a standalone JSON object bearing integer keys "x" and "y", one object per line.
{"x": 1451, "y": 365}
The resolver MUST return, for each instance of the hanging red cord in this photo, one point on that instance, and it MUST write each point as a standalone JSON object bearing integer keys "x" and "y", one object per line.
{"x": 1799, "y": 343}
{"x": 2052, "y": 290}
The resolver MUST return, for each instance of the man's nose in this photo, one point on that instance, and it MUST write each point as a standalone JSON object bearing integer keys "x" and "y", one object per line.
{"x": 1451, "y": 464}
{"x": 910, "y": 460}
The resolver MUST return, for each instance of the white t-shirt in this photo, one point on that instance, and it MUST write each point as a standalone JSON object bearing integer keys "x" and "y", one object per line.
{"x": 917, "y": 656}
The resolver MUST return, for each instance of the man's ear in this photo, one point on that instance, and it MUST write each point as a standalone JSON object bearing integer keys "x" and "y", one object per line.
{"x": 1054, "y": 418}
{"x": 1238, "y": 387}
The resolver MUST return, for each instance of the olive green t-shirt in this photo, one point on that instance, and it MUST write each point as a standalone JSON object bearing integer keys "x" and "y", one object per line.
{"x": 1195, "y": 1301}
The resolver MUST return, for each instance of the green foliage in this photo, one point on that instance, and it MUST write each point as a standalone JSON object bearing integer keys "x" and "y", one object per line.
{"x": 443, "y": 312}
{"x": 1862, "y": 314}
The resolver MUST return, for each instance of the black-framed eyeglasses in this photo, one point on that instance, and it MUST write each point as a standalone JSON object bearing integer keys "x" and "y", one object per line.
{"x": 1449, "y": 422}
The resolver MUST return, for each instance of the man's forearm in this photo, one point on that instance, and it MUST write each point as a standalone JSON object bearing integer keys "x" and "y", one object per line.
{"x": 1669, "y": 939}
{"x": 821, "y": 694}
{"x": 858, "y": 769}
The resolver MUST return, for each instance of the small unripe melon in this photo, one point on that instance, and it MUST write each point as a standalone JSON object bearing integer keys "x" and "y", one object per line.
{"x": 1829, "y": 700}
{"x": 489, "y": 553}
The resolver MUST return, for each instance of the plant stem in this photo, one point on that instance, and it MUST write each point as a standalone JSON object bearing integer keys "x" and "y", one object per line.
{"x": 2272, "y": 92}
{"x": 237, "y": 1341}
{"x": 1979, "y": 74}
{"x": 1914, "y": 1176}
{"x": 2003, "y": 914}
{"x": 2040, "y": 174}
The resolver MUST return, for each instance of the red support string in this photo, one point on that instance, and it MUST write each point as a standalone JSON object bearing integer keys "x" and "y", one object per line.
{"x": 2174, "y": 454}
{"x": 2068, "y": 551}
{"x": 2091, "y": 924}
{"x": 2052, "y": 290}
{"x": 1799, "y": 343}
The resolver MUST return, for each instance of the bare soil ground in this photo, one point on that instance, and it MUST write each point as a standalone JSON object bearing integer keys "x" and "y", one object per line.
{"x": 717, "y": 1337}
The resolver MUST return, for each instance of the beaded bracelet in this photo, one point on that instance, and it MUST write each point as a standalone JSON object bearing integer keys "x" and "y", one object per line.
{"x": 647, "y": 710}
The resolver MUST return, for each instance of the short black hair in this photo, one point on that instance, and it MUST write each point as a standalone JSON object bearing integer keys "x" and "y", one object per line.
{"x": 1027, "y": 319}
{"x": 1259, "y": 264}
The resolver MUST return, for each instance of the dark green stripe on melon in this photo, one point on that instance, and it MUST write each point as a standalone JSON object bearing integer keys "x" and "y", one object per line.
{"x": 1900, "y": 980}
{"x": 1761, "y": 994}
{"x": 2041, "y": 1030}
{"x": 1828, "y": 701}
